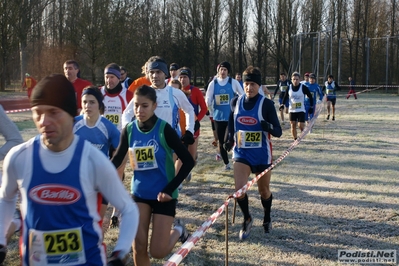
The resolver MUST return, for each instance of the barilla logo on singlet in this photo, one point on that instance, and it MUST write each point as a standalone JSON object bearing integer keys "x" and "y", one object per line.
{"x": 247, "y": 120}
{"x": 54, "y": 194}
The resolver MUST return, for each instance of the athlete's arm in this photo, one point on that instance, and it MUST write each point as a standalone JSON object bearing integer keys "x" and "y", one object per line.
{"x": 277, "y": 88}
{"x": 10, "y": 132}
{"x": 270, "y": 115}
{"x": 128, "y": 114}
{"x": 174, "y": 142}
{"x": 122, "y": 149}
{"x": 209, "y": 94}
{"x": 185, "y": 105}
{"x": 108, "y": 183}
{"x": 306, "y": 91}
{"x": 286, "y": 95}
{"x": 237, "y": 87}
{"x": 201, "y": 102}
{"x": 320, "y": 92}
{"x": 8, "y": 192}
{"x": 230, "y": 125}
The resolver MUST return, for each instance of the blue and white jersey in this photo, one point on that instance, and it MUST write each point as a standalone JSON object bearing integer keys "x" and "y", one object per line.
{"x": 252, "y": 143}
{"x": 52, "y": 233}
{"x": 102, "y": 135}
{"x": 315, "y": 90}
{"x": 221, "y": 100}
{"x": 59, "y": 203}
{"x": 151, "y": 159}
{"x": 331, "y": 90}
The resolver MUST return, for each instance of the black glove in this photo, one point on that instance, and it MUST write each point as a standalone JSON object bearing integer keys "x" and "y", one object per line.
{"x": 188, "y": 138}
{"x": 197, "y": 125}
{"x": 114, "y": 260}
{"x": 310, "y": 111}
{"x": 266, "y": 126}
{"x": 228, "y": 145}
{"x": 281, "y": 108}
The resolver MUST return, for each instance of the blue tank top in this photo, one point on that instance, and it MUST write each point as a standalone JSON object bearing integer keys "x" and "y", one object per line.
{"x": 152, "y": 160}
{"x": 252, "y": 143}
{"x": 221, "y": 101}
{"x": 59, "y": 228}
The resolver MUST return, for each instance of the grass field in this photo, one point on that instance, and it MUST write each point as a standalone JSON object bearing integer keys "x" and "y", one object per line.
{"x": 338, "y": 189}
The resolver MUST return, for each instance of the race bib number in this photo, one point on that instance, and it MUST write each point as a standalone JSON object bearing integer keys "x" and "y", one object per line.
{"x": 114, "y": 118}
{"x": 249, "y": 139}
{"x": 61, "y": 247}
{"x": 283, "y": 88}
{"x": 330, "y": 92}
{"x": 297, "y": 105}
{"x": 222, "y": 99}
{"x": 143, "y": 158}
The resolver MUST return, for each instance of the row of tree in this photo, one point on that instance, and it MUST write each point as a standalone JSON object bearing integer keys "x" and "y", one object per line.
{"x": 37, "y": 36}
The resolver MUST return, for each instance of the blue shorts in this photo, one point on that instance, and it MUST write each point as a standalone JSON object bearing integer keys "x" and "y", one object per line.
{"x": 255, "y": 169}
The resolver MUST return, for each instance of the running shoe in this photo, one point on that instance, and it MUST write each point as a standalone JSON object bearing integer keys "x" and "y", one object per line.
{"x": 114, "y": 222}
{"x": 267, "y": 227}
{"x": 218, "y": 157}
{"x": 3, "y": 253}
{"x": 180, "y": 187}
{"x": 246, "y": 229}
{"x": 333, "y": 118}
{"x": 227, "y": 167}
{"x": 328, "y": 117}
{"x": 184, "y": 235}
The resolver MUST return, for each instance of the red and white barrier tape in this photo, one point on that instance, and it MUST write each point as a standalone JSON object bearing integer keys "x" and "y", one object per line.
{"x": 183, "y": 251}
{"x": 18, "y": 111}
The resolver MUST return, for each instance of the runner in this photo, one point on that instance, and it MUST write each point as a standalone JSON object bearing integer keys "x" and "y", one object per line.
{"x": 296, "y": 97}
{"x": 252, "y": 121}
{"x": 62, "y": 175}
{"x": 96, "y": 129}
{"x": 151, "y": 142}
{"x": 315, "y": 89}
{"x": 195, "y": 97}
{"x": 218, "y": 97}
{"x": 330, "y": 89}
{"x": 351, "y": 89}
{"x": 282, "y": 86}
{"x": 115, "y": 101}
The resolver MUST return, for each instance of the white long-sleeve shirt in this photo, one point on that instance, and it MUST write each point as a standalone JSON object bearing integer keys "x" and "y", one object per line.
{"x": 165, "y": 107}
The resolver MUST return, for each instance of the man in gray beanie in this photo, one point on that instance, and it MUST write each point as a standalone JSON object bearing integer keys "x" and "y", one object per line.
{"x": 59, "y": 177}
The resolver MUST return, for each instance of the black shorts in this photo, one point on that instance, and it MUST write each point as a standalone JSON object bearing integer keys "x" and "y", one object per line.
{"x": 165, "y": 208}
{"x": 332, "y": 100}
{"x": 254, "y": 168}
{"x": 298, "y": 117}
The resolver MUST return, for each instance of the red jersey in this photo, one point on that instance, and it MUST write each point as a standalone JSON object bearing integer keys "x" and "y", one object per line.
{"x": 79, "y": 84}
